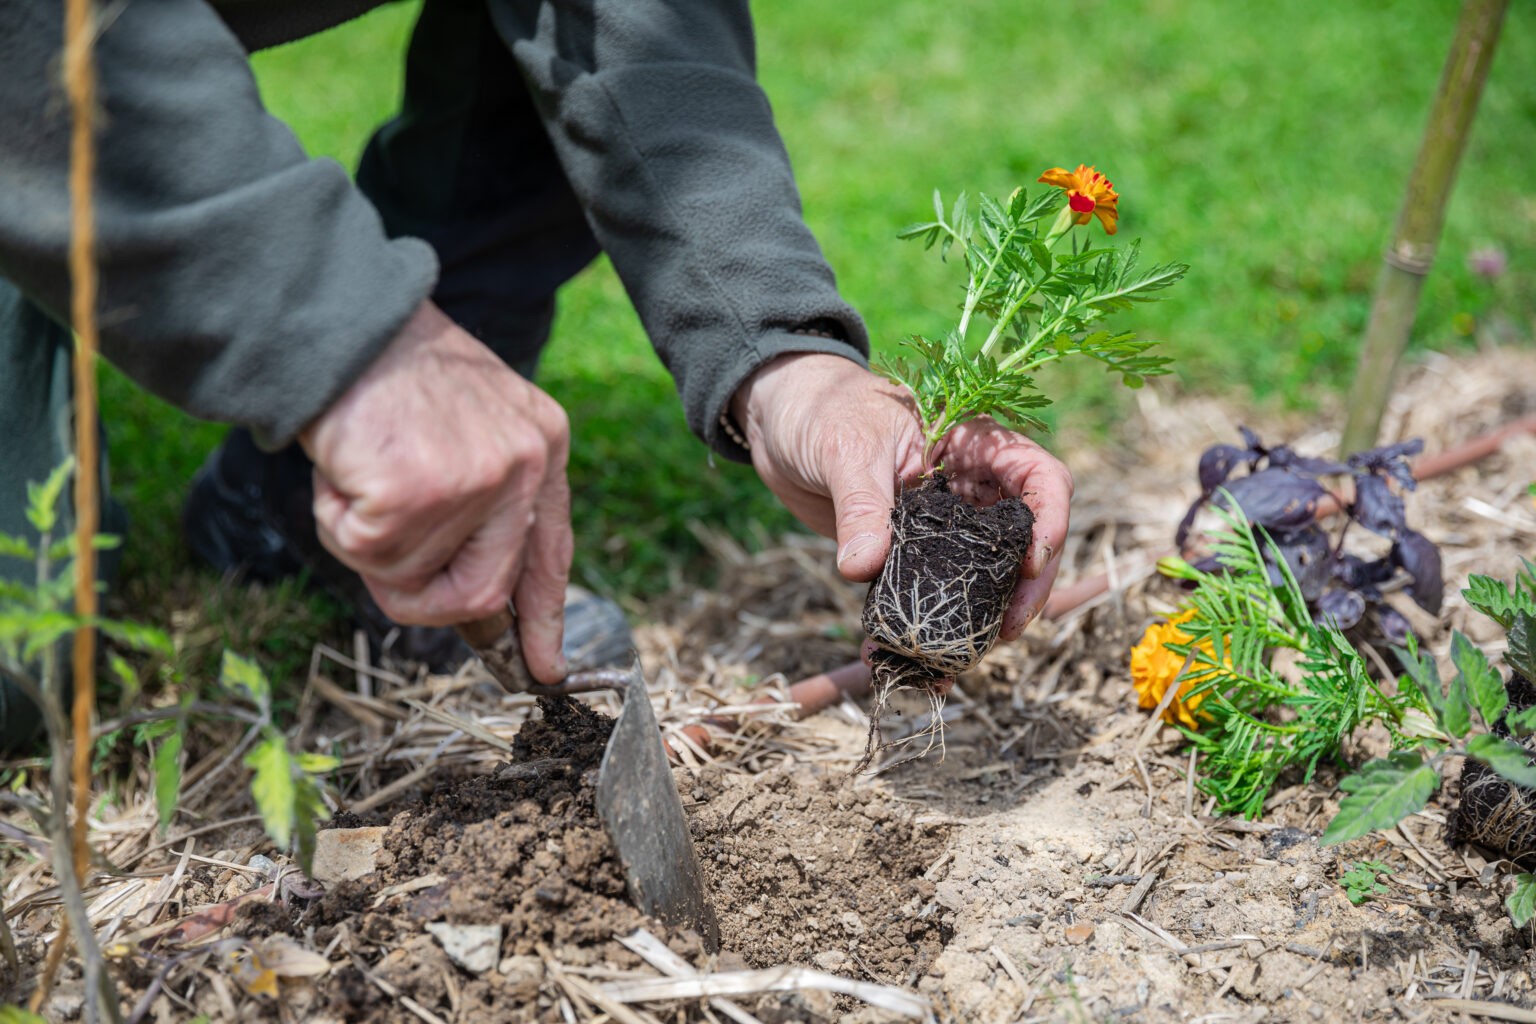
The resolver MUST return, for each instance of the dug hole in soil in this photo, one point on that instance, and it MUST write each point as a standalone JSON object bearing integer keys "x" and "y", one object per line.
{"x": 798, "y": 866}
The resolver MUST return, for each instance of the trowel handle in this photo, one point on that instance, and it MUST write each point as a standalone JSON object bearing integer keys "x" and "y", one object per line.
{"x": 494, "y": 640}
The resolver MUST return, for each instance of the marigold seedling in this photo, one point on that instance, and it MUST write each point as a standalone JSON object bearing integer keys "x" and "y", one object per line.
{"x": 938, "y": 604}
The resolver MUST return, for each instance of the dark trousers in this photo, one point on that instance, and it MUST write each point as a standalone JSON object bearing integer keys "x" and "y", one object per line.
{"x": 466, "y": 166}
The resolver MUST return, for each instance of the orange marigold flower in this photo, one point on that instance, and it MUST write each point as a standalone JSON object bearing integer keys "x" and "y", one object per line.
{"x": 1154, "y": 668}
{"x": 1089, "y": 194}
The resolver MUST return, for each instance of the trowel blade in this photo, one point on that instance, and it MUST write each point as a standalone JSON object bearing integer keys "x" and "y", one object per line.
{"x": 644, "y": 815}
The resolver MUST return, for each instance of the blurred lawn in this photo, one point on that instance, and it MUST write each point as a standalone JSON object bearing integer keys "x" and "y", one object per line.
{"x": 1265, "y": 144}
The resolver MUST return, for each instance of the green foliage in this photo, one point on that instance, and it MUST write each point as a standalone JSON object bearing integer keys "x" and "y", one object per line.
{"x": 1521, "y": 902}
{"x": 1040, "y": 304}
{"x": 1381, "y": 794}
{"x": 167, "y": 771}
{"x": 1257, "y": 722}
{"x": 17, "y": 1015}
{"x": 1461, "y": 717}
{"x": 1362, "y": 881}
{"x": 283, "y": 784}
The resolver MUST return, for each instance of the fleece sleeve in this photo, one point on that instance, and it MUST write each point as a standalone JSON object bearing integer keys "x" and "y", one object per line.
{"x": 669, "y": 143}
{"x": 240, "y": 280}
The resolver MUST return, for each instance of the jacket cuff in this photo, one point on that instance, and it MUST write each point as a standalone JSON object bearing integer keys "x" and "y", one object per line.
{"x": 720, "y": 431}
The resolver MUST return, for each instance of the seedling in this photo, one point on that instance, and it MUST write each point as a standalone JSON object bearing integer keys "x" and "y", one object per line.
{"x": 1362, "y": 881}
{"x": 937, "y": 606}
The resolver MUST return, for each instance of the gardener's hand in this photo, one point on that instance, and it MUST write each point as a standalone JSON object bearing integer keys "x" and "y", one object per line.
{"x": 833, "y": 440}
{"x": 440, "y": 478}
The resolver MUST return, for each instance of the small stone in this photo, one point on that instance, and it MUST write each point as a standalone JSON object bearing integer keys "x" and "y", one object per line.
{"x": 474, "y": 947}
{"x": 1302, "y": 880}
{"x": 342, "y": 854}
{"x": 830, "y": 960}
{"x": 521, "y": 968}
{"x": 1079, "y": 933}
{"x": 852, "y": 923}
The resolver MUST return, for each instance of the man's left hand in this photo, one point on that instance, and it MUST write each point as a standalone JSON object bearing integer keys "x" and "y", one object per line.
{"x": 832, "y": 440}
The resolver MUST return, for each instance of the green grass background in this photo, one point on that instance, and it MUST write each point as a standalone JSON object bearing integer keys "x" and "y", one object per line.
{"x": 1265, "y": 144}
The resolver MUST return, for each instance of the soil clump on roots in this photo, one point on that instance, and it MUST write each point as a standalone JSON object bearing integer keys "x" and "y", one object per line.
{"x": 937, "y": 606}
{"x": 1494, "y": 813}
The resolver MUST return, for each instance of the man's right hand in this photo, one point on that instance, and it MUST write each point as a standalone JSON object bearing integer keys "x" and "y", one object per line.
{"x": 440, "y": 478}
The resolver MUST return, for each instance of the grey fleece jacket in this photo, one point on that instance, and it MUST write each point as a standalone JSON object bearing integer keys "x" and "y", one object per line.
{"x": 244, "y": 282}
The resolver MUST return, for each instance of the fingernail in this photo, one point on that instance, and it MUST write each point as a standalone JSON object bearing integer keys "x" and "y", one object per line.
{"x": 860, "y": 544}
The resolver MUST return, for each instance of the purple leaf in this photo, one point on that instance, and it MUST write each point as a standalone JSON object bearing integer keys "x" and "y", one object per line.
{"x": 1391, "y": 459}
{"x": 1252, "y": 441}
{"x": 1306, "y": 551}
{"x": 1182, "y": 533}
{"x": 1277, "y": 500}
{"x": 1421, "y": 558}
{"x": 1393, "y": 625}
{"x": 1377, "y": 508}
{"x": 1344, "y": 607}
{"x": 1216, "y": 464}
{"x": 1356, "y": 573}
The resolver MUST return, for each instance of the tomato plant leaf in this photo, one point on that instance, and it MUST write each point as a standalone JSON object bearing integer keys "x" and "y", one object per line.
{"x": 1483, "y": 683}
{"x": 1382, "y": 793}
{"x": 1522, "y": 901}
{"x": 1509, "y": 759}
{"x": 273, "y": 787}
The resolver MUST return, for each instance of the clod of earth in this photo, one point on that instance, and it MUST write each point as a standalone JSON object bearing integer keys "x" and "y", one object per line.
{"x": 937, "y": 606}
{"x": 1495, "y": 813}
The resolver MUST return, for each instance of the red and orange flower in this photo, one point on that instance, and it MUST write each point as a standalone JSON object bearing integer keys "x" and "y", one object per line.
{"x": 1089, "y": 194}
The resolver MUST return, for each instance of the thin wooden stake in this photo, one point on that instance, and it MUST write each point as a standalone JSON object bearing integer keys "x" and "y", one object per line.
{"x": 1412, "y": 252}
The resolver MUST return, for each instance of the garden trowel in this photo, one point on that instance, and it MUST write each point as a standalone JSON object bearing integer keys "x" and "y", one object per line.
{"x": 636, "y": 798}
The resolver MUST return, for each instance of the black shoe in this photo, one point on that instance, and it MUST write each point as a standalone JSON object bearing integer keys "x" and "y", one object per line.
{"x": 252, "y": 512}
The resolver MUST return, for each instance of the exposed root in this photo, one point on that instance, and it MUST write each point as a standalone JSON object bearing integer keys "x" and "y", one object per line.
{"x": 889, "y": 677}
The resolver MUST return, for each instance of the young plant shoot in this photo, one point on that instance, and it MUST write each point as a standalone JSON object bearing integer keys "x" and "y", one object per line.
{"x": 1036, "y": 290}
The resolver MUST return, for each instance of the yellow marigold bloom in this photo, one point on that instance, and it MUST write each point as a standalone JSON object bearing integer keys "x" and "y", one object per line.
{"x": 1154, "y": 667}
{"x": 1089, "y": 194}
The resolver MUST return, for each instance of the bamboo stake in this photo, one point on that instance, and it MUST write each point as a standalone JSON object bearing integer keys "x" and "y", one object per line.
{"x": 1417, "y": 234}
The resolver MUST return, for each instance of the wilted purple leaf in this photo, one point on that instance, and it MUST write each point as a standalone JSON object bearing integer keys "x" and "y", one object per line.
{"x": 1277, "y": 500}
{"x": 1216, "y": 464}
{"x": 1418, "y": 555}
{"x": 1251, "y": 440}
{"x": 1377, "y": 508}
{"x": 1306, "y": 551}
{"x": 1393, "y": 625}
{"x": 1344, "y": 607}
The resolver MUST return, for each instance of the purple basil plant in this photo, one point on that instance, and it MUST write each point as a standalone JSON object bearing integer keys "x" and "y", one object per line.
{"x": 1281, "y": 493}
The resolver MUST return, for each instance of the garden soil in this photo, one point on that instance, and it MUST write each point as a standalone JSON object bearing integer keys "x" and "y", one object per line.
{"x": 1051, "y": 861}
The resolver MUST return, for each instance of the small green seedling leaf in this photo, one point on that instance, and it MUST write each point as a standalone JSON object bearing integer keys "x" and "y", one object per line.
{"x": 43, "y": 498}
{"x": 1521, "y": 903}
{"x": 16, "y": 547}
{"x": 139, "y": 637}
{"x": 316, "y": 764}
{"x": 1361, "y": 882}
{"x": 1382, "y": 793}
{"x": 273, "y": 787}
{"x": 1509, "y": 759}
{"x": 237, "y": 673}
{"x": 1522, "y": 723}
{"x": 1483, "y": 683}
{"x": 167, "y": 765}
